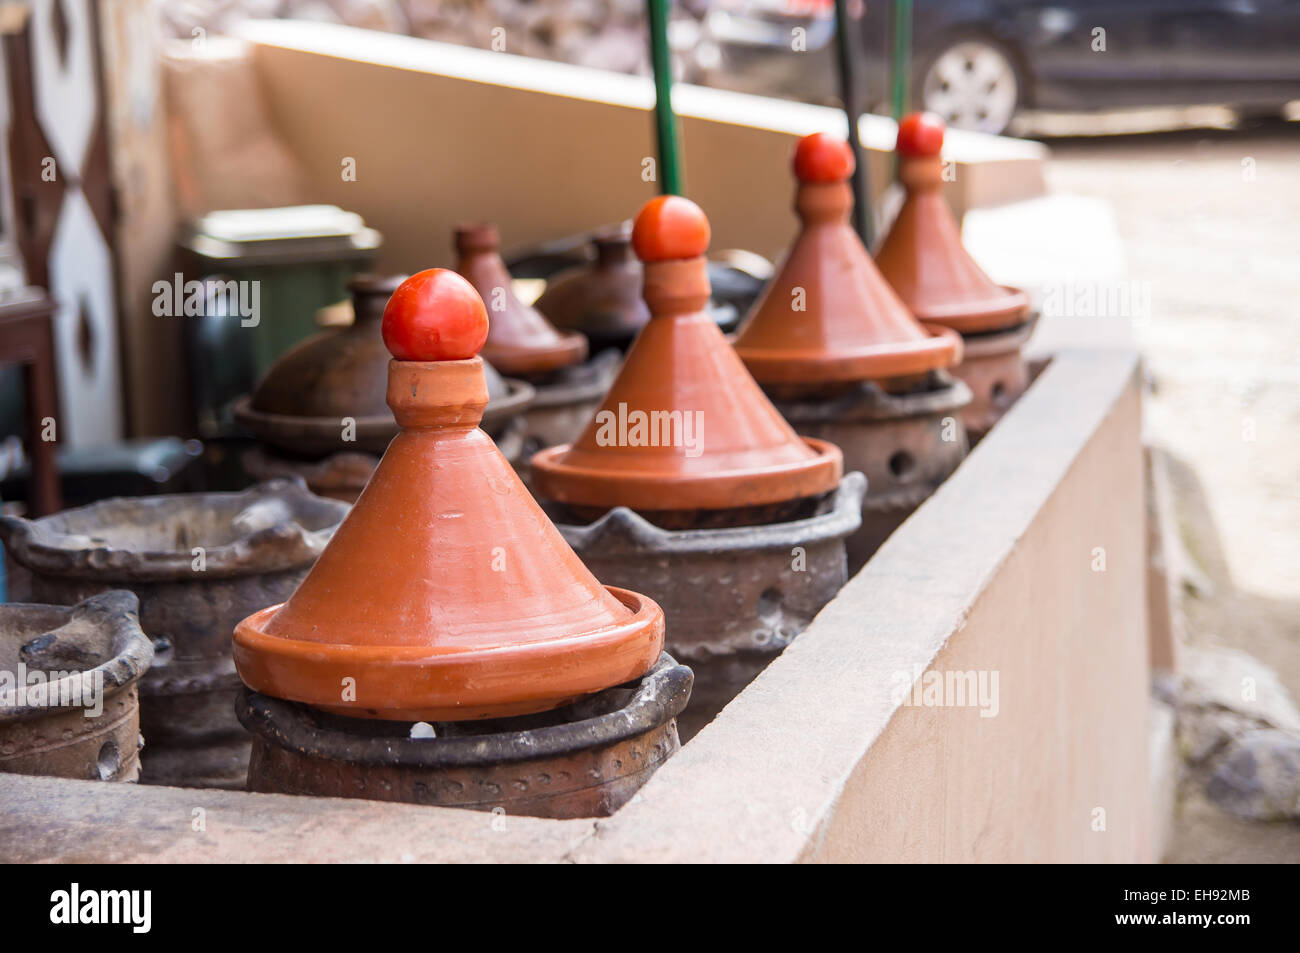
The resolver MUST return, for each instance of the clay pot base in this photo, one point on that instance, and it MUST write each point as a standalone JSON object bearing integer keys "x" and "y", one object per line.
{"x": 733, "y": 597}
{"x": 582, "y": 760}
{"x": 906, "y": 444}
{"x": 424, "y": 683}
{"x": 995, "y": 371}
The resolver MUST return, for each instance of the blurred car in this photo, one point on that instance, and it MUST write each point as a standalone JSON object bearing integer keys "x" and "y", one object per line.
{"x": 978, "y": 62}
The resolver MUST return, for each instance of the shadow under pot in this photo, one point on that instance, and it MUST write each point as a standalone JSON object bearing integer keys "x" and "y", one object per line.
{"x": 199, "y": 563}
{"x": 586, "y": 759}
{"x": 907, "y": 443}
{"x": 69, "y": 705}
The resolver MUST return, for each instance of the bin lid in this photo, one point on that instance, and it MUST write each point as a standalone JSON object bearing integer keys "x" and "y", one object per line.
{"x": 281, "y": 235}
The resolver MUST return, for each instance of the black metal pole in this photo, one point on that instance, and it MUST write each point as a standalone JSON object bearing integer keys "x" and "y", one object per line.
{"x": 851, "y": 97}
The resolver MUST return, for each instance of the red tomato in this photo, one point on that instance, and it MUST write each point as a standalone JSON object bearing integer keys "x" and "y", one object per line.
{"x": 920, "y": 134}
{"x": 822, "y": 157}
{"x": 670, "y": 227}
{"x": 435, "y": 315}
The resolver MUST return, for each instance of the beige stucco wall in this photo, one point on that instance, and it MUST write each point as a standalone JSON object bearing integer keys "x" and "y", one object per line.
{"x": 1059, "y": 773}
{"x": 442, "y": 134}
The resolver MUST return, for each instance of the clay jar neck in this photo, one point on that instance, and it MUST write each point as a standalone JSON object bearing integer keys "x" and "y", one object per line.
{"x": 368, "y": 307}
{"x": 676, "y": 287}
{"x": 437, "y": 395}
{"x": 370, "y": 293}
{"x": 823, "y": 203}
{"x": 921, "y": 173}
{"x": 613, "y": 251}
{"x": 478, "y": 248}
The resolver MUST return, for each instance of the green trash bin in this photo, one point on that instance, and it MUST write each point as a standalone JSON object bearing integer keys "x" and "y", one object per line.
{"x": 284, "y": 264}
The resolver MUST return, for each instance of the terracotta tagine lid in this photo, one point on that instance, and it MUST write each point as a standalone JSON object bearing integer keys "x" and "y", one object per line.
{"x": 922, "y": 256}
{"x": 301, "y": 401}
{"x": 829, "y": 316}
{"x": 446, "y": 594}
{"x": 684, "y": 426}
{"x": 601, "y": 299}
{"x": 520, "y": 341}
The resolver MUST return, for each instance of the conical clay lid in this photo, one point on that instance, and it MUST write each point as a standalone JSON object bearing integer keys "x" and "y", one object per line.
{"x": 684, "y": 426}
{"x": 520, "y": 341}
{"x": 828, "y": 315}
{"x": 922, "y": 256}
{"x": 446, "y": 594}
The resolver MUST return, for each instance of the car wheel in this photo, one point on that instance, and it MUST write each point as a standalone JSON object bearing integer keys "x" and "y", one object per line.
{"x": 973, "y": 83}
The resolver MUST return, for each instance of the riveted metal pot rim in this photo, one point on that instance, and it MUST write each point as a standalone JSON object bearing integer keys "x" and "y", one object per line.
{"x": 118, "y": 610}
{"x": 190, "y": 677}
{"x": 43, "y": 546}
{"x": 999, "y": 341}
{"x": 869, "y": 402}
{"x": 621, "y": 526}
{"x": 660, "y": 696}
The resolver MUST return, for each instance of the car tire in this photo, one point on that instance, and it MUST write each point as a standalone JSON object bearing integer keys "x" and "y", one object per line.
{"x": 973, "y": 82}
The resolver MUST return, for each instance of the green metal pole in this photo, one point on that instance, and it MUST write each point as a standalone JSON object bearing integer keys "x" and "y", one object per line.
{"x": 670, "y": 159}
{"x": 901, "y": 63}
{"x": 851, "y": 98}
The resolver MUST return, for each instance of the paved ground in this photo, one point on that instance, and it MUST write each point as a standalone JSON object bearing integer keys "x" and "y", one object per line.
{"x": 1211, "y": 219}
